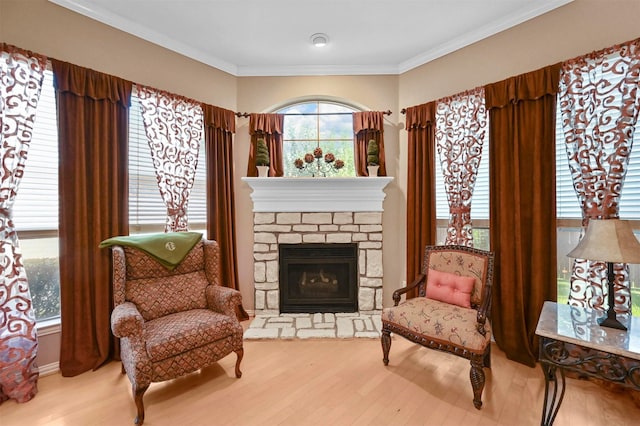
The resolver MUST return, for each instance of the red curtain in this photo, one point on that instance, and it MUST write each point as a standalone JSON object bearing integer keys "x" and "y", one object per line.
{"x": 270, "y": 128}
{"x": 368, "y": 125}
{"x": 522, "y": 219}
{"x": 600, "y": 105}
{"x": 93, "y": 117}
{"x": 461, "y": 128}
{"x": 21, "y": 75}
{"x": 220, "y": 125}
{"x": 421, "y": 207}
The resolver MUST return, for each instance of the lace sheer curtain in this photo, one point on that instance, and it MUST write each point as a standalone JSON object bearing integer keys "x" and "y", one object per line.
{"x": 21, "y": 74}
{"x": 599, "y": 101}
{"x": 461, "y": 128}
{"x": 174, "y": 126}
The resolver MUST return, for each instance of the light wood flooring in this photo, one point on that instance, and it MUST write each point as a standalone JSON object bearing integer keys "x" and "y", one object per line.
{"x": 322, "y": 382}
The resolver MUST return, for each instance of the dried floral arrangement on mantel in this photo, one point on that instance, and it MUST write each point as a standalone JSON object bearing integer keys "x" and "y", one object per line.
{"x": 315, "y": 165}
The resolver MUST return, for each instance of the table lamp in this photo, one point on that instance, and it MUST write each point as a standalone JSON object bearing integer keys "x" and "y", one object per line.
{"x": 611, "y": 241}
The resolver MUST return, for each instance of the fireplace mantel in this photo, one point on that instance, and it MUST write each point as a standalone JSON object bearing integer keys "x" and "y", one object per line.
{"x": 306, "y": 194}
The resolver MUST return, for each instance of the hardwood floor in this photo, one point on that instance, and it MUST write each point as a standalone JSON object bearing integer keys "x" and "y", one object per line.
{"x": 322, "y": 382}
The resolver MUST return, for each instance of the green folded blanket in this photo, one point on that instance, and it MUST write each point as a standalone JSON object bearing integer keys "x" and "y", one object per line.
{"x": 167, "y": 248}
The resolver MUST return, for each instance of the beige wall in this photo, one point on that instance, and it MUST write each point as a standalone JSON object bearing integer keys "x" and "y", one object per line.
{"x": 572, "y": 30}
{"x": 59, "y": 33}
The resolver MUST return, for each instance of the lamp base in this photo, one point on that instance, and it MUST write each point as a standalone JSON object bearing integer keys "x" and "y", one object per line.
{"x": 611, "y": 321}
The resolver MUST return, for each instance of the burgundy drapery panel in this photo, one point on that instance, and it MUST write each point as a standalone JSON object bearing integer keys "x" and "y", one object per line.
{"x": 93, "y": 121}
{"x": 270, "y": 127}
{"x": 21, "y": 75}
{"x": 461, "y": 127}
{"x": 421, "y": 207}
{"x": 522, "y": 219}
{"x": 174, "y": 127}
{"x": 220, "y": 125}
{"x": 599, "y": 102}
{"x": 368, "y": 125}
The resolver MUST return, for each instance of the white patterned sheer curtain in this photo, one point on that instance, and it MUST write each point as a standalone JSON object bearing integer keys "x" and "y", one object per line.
{"x": 461, "y": 129}
{"x": 21, "y": 75}
{"x": 175, "y": 127}
{"x": 599, "y": 99}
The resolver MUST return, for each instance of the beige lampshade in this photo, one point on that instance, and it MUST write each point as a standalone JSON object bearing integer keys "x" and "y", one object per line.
{"x": 608, "y": 240}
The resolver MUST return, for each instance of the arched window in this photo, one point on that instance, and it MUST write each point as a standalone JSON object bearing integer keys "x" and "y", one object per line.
{"x": 312, "y": 124}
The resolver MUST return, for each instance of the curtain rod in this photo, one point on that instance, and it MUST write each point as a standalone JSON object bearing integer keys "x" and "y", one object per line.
{"x": 246, "y": 114}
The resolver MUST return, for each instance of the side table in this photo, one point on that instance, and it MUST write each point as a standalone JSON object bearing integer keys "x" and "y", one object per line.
{"x": 571, "y": 340}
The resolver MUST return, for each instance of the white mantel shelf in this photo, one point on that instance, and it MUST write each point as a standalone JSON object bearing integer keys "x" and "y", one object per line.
{"x": 307, "y": 194}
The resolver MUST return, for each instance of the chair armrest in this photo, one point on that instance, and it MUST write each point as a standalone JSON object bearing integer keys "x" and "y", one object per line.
{"x": 223, "y": 299}
{"x": 484, "y": 310}
{"x": 399, "y": 292}
{"x": 126, "y": 321}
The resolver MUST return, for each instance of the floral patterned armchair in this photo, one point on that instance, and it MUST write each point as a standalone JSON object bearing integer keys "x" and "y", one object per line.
{"x": 172, "y": 322}
{"x": 451, "y": 309}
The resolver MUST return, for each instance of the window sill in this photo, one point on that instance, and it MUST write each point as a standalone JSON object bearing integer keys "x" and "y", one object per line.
{"x": 50, "y": 326}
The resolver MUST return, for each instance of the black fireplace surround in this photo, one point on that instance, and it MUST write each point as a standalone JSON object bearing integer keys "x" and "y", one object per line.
{"x": 318, "y": 278}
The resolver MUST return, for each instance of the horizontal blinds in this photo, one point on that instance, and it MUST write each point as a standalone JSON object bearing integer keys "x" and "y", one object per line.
{"x": 146, "y": 206}
{"x": 36, "y": 204}
{"x": 630, "y": 198}
{"x": 567, "y": 203}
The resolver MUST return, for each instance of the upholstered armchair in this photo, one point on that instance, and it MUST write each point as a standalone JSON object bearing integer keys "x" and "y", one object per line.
{"x": 451, "y": 310}
{"x": 172, "y": 322}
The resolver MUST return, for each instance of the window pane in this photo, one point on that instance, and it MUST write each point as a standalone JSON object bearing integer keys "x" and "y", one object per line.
{"x": 336, "y": 127}
{"x": 35, "y": 212}
{"x": 303, "y": 133}
{"x": 41, "y": 261}
{"x": 480, "y": 197}
{"x": 568, "y": 208}
{"x": 147, "y": 211}
{"x": 36, "y": 205}
{"x": 568, "y": 239}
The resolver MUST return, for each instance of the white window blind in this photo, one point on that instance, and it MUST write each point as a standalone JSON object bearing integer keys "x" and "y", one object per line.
{"x": 147, "y": 211}
{"x": 567, "y": 204}
{"x": 36, "y": 205}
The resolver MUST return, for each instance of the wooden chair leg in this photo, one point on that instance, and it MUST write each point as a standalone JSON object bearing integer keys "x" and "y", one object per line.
{"x": 487, "y": 357}
{"x": 385, "y": 339}
{"x": 137, "y": 397}
{"x": 477, "y": 379}
{"x": 240, "y": 354}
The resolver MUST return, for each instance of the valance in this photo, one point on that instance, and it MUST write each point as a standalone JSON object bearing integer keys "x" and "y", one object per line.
{"x": 420, "y": 116}
{"x": 529, "y": 86}
{"x": 89, "y": 83}
{"x": 219, "y": 118}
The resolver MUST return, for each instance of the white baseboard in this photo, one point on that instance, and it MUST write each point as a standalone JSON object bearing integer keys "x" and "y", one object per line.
{"x": 48, "y": 369}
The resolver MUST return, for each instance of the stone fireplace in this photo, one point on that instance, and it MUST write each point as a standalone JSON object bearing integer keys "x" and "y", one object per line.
{"x": 309, "y": 213}
{"x": 318, "y": 277}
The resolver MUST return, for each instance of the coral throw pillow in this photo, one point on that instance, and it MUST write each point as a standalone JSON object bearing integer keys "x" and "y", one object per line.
{"x": 450, "y": 288}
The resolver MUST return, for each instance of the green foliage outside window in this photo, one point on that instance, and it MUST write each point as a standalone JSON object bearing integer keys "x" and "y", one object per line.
{"x": 44, "y": 284}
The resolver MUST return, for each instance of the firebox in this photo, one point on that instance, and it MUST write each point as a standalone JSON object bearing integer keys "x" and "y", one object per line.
{"x": 318, "y": 278}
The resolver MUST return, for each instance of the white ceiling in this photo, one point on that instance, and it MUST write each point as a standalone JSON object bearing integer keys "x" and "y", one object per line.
{"x": 271, "y": 37}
